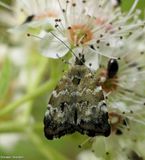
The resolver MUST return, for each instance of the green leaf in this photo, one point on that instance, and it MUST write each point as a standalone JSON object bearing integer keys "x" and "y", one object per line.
{"x": 127, "y": 4}
{"x": 5, "y": 75}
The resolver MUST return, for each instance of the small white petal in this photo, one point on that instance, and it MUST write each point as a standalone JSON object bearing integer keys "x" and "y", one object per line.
{"x": 91, "y": 58}
{"x": 52, "y": 47}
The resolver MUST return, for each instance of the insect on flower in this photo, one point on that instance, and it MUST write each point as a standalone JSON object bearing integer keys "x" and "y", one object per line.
{"x": 77, "y": 104}
{"x": 107, "y": 99}
{"x": 109, "y": 78}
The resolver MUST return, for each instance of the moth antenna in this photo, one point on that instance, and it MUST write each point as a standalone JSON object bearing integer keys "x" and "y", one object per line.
{"x": 6, "y": 6}
{"x": 81, "y": 58}
{"x": 64, "y": 44}
{"x": 88, "y": 140}
{"x": 63, "y": 60}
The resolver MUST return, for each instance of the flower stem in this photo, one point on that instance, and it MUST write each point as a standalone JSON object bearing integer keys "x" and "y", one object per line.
{"x": 13, "y": 126}
{"x": 47, "y": 87}
{"x": 40, "y": 71}
{"x": 47, "y": 151}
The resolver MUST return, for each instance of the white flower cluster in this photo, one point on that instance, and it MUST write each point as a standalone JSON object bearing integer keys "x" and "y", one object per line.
{"x": 93, "y": 27}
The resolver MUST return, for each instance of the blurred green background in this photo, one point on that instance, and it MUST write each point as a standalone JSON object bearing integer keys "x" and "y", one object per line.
{"x": 26, "y": 81}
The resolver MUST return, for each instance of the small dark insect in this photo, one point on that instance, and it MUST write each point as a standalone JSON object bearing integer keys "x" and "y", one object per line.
{"x": 77, "y": 104}
{"x": 112, "y": 68}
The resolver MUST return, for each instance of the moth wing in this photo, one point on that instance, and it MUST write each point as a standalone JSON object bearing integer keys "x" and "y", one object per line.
{"x": 58, "y": 120}
{"x": 92, "y": 111}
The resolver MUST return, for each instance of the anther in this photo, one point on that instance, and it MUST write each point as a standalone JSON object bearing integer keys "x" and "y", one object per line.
{"x": 119, "y": 28}
{"x": 90, "y": 64}
{"x": 101, "y": 35}
{"x": 98, "y": 41}
{"x": 79, "y": 146}
{"x": 63, "y": 10}
{"x": 142, "y": 53}
{"x": 28, "y": 34}
{"x": 84, "y": 1}
{"x": 74, "y": 4}
{"x": 56, "y": 20}
{"x": 121, "y": 37}
{"x": 29, "y": 18}
{"x": 107, "y": 44}
{"x": 130, "y": 33}
{"x": 131, "y": 111}
{"x": 107, "y": 153}
{"x": 56, "y": 25}
{"x": 92, "y": 47}
{"x": 69, "y": 28}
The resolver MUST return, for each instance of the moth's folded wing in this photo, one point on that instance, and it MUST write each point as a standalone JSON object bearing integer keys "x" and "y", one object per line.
{"x": 93, "y": 115}
{"x": 95, "y": 126}
{"x": 57, "y": 122}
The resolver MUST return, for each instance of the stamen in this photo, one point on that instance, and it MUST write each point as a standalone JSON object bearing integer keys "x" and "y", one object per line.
{"x": 85, "y": 142}
{"x": 106, "y": 146}
{"x": 63, "y": 11}
{"x": 32, "y": 35}
{"x": 133, "y": 7}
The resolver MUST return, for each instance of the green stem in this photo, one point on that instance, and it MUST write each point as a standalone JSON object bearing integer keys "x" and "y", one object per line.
{"x": 17, "y": 126}
{"x": 47, "y": 151}
{"x": 47, "y": 87}
{"x": 13, "y": 126}
{"x": 40, "y": 71}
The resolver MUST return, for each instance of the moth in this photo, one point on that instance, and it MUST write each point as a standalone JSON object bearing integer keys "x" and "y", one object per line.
{"x": 78, "y": 104}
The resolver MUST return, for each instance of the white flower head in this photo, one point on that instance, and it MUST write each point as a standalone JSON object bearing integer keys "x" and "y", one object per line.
{"x": 123, "y": 83}
{"x": 91, "y": 26}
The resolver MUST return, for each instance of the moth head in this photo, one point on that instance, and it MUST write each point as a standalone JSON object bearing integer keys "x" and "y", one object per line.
{"x": 80, "y": 60}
